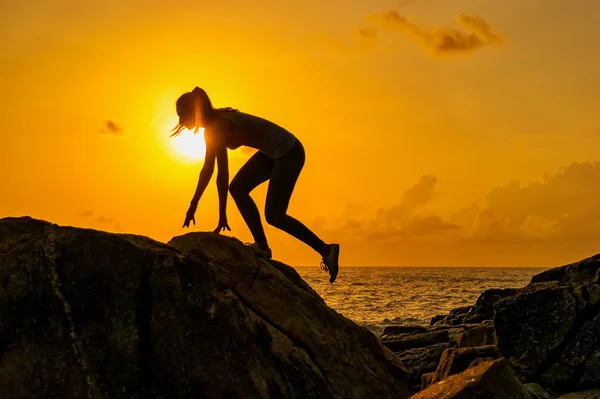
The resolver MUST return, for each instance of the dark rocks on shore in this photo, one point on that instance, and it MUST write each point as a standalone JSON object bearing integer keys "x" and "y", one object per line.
{"x": 548, "y": 332}
{"x": 397, "y": 330}
{"x": 489, "y": 380}
{"x": 84, "y": 313}
{"x": 456, "y": 360}
{"x": 88, "y": 314}
{"x": 408, "y": 341}
{"x": 479, "y": 335}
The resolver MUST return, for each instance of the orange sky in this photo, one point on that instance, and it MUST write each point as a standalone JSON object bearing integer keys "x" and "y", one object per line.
{"x": 437, "y": 133}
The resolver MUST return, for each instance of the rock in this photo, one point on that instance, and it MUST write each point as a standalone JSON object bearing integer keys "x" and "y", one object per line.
{"x": 398, "y": 343}
{"x": 555, "y": 274}
{"x": 397, "y": 330}
{"x": 590, "y": 394}
{"x": 85, "y": 313}
{"x": 484, "y": 307}
{"x": 419, "y": 361}
{"x": 427, "y": 380}
{"x": 591, "y": 373}
{"x": 549, "y": 329}
{"x": 456, "y": 360}
{"x": 584, "y": 271}
{"x": 454, "y": 332}
{"x": 490, "y": 380}
{"x": 460, "y": 310}
{"x": 477, "y": 336}
{"x": 580, "y": 350}
{"x": 455, "y": 316}
{"x": 542, "y": 314}
{"x": 536, "y": 391}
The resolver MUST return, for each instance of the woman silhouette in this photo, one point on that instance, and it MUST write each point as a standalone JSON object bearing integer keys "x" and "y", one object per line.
{"x": 279, "y": 159}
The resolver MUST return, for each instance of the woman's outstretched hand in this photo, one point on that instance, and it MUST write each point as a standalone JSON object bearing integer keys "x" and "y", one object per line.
{"x": 190, "y": 215}
{"x": 222, "y": 225}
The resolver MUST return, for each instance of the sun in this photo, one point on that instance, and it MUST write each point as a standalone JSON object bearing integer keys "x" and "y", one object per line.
{"x": 190, "y": 145}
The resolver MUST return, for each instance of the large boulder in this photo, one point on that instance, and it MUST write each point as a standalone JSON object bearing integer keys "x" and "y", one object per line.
{"x": 419, "y": 340}
{"x": 484, "y": 307}
{"x": 457, "y": 360}
{"x": 479, "y": 335}
{"x": 419, "y": 361}
{"x": 489, "y": 380}
{"x": 397, "y": 330}
{"x": 549, "y": 329}
{"x": 85, "y": 313}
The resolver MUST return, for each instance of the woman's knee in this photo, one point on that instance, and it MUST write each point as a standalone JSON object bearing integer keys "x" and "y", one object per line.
{"x": 274, "y": 216}
{"x": 237, "y": 189}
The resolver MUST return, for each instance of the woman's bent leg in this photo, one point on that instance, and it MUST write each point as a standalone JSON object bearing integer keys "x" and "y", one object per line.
{"x": 254, "y": 172}
{"x": 281, "y": 186}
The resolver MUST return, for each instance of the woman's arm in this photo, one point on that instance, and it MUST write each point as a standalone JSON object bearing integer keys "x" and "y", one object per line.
{"x": 205, "y": 175}
{"x": 206, "y": 172}
{"x": 222, "y": 181}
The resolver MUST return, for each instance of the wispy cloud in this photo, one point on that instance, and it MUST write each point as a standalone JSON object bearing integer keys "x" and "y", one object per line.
{"x": 89, "y": 214}
{"x": 407, "y": 218}
{"x": 440, "y": 40}
{"x": 112, "y": 128}
{"x": 103, "y": 219}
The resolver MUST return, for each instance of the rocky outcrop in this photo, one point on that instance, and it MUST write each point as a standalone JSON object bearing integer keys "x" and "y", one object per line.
{"x": 479, "y": 335}
{"x": 397, "y": 330}
{"x": 590, "y": 394}
{"x": 547, "y": 330}
{"x": 489, "y": 380}
{"x": 89, "y": 314}
{"x": 422, "y": 361}
{"x": 456, "y": 360}
{"x": 409, "y": 341}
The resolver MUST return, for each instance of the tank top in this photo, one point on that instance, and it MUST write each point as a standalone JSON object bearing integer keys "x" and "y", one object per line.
{"x": 266, "y": 136}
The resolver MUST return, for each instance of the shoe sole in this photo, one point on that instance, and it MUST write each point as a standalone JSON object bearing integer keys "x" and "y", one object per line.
{"x": 333, "y": 270}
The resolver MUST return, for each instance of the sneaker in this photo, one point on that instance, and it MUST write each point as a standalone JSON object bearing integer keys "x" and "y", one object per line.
{"x": 265, "y": 253}
{"x": 330, "y": 262}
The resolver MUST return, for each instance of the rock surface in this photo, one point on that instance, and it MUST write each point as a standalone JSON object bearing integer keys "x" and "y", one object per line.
{"x": 547, "y": 330}
{"x": 489, "y": 380}
{"x": 590, "y": 394}
{"x": 396, "y": 330}
{"x": 477, "y": 336}
{"x": 90, "y": 314}
{"x": 409, "y": 341}
{"x": 457, "y": 360}
{"x": 419, "y": 361}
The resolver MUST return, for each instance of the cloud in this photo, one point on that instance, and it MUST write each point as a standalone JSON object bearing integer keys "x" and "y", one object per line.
{"x": 418, "y": 195}
{"x": 103, "y": 219}
{"x": 408, "y": 218}
{"x": 441, "y": 40}
{"x": 89, "y": 214}
{"x": 561, "y": 207}
{"x": 561, "y": 210}
{"x": 112, "y": 128}
{"x": 548, "y": 222}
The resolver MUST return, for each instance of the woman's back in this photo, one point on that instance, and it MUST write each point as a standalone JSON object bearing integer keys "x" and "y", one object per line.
{"x": 260, "y": 133}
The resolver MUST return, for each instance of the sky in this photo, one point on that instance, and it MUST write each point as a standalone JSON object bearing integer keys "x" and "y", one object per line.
{"x": 438, "y": 133}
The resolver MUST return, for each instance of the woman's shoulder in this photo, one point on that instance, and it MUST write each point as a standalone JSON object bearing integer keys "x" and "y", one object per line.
{"x": 217, "y": 128}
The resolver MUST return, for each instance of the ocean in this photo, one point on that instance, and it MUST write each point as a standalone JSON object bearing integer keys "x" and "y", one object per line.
{"x": 375, "y": 297}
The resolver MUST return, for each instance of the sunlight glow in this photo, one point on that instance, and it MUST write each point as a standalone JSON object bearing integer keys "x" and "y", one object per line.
{"x": 190, "y": 145}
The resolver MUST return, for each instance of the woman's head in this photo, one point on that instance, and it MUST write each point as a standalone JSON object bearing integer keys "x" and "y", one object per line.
{"x": 194, "y": 110}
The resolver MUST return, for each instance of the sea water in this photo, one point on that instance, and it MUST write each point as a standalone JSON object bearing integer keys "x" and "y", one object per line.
{"x": 375, "y": 297}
